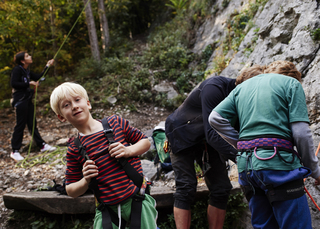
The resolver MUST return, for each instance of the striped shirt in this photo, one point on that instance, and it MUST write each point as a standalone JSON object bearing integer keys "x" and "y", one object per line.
{"x": 114, "y": 184}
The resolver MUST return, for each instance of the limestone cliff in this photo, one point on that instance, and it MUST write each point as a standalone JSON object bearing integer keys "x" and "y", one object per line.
{"x": 278, "y": 30}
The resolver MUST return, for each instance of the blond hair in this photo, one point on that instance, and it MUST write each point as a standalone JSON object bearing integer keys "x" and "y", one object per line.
{"x": 61, "y": 92}
{"x": 284, "y": 68}
{"x": 250, "y": 72}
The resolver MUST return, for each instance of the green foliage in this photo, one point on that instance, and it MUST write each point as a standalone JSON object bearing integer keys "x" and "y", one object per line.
{"x": 178, "y": 5}
{"x": 5, "y": 104}
{"x": 5, "y": 88}
{"x": 220, "y": 63}
{"x": 118, "y": 45}
{"x": 225, "y": 3}
{"x": 200, "y": 7}
{"x": 41, "y": 220}
{"x": 239, "y": 24}
{"x": 168, "y": 40}
{"x": 132, "y": 17}
{"x": 206, "y": 53}
{"x": 89, "y": 69}
{"x": 315, "y": 34}
{"x": 235, "y": 209}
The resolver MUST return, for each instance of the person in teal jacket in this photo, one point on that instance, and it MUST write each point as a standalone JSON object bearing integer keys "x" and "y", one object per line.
{"x": 273, "y": 118}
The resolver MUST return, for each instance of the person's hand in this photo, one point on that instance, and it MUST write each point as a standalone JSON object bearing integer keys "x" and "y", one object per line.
{"x": 34, "y": 83}
{"x": 317, "y": 182}
{"x": 89, "y": 170}
{"x": 117, "y": 150}
{"x": 50, "y": 62}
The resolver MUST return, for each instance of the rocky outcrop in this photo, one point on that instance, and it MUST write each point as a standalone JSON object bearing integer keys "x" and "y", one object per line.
{"x": 282, "y": 30}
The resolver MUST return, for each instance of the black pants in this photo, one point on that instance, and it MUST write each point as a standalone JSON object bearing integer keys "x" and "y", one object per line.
{"x": 216, "y": 178}
{"x": 24, "y": 116}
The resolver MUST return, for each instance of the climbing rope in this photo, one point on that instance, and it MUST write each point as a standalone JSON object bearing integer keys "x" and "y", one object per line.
{"x": 24, "y": 161}
{"x": 313, "y": 201}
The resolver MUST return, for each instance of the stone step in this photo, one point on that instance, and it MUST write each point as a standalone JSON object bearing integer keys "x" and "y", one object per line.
{"x": 54, "y": 203}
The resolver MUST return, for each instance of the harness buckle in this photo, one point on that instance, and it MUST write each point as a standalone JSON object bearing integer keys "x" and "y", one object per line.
{"x": 109, "y": 134}
{"x": 138, "y": 198}
{"x": 101, "y": 207}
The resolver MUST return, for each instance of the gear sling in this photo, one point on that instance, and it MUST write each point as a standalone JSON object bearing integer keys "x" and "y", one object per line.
{"x": 108, "y": 215}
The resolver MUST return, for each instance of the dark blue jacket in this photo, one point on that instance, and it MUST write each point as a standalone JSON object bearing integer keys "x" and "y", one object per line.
{"x": 20, "y": 79}
{"x": 188, "y": 125}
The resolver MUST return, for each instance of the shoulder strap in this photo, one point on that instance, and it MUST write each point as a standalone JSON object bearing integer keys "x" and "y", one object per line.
{"x": 93, "y": 184}
{"x": 131, "y": 172}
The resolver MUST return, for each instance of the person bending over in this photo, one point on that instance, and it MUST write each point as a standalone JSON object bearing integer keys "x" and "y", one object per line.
{"x": 273, "y": 118}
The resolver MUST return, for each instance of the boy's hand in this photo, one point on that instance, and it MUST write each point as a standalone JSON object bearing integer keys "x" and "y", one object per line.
{"x": 317, "y": 182}
{"x": 117, "y": 150}
{"x": 89, "y": 170}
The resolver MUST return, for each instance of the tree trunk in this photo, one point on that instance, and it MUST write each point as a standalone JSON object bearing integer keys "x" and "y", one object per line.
{"x": 103, "y": 25}
{"x": 92, "y": 32}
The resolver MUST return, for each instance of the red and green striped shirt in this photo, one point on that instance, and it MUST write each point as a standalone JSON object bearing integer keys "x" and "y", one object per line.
{"x": 114, "y": 184}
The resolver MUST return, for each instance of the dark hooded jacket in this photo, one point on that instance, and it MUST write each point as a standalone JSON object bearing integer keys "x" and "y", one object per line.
{"x": 188, "y": 125}
{"x": 20, "y": 79}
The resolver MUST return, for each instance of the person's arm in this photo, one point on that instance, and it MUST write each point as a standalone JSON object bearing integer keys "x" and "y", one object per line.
{"x": 118, "y": 150}
{"x": 35, "y": 76}
{"x": 303, "y": 141}
{"x": 78, "y": 188}
{"x": 211, "y": 96}
{"x": 224, "y": 128}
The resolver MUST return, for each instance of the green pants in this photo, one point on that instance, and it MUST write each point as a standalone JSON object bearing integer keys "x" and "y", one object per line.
{"x": 149, "y": 214}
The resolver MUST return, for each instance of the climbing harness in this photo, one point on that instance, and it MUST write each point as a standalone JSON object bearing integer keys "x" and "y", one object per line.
{"x": 268, "y": 143}
{"x": 36, "y": 88}
{"x": 287, "y": 191}
{"x": 108, "y": 215}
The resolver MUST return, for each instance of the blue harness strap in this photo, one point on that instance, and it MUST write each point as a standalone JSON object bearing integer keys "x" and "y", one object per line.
{"x": 268, "y": 143}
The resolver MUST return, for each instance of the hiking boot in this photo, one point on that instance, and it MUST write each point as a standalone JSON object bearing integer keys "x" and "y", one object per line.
{"x": 47, "y": 147}
{"x": 16, "y": 156}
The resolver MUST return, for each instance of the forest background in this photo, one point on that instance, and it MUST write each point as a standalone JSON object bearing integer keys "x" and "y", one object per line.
{"x": 118, "y": 49}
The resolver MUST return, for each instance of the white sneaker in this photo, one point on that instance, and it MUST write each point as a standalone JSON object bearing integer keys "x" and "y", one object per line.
{"x": 16, "y": 156}
{"x": 47, "y": 147}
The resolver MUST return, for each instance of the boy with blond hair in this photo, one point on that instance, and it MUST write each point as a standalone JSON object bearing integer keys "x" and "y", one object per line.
{"x": 117, "y": 191}
{"x": 273, "y": 118}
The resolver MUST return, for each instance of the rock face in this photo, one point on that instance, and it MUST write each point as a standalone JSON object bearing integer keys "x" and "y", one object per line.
{"x": 283, "y": 30}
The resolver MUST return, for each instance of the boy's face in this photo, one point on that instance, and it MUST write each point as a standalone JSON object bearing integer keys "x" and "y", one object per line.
{"x": 74, "y": 109}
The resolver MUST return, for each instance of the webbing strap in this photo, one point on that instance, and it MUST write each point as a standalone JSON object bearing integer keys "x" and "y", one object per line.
{"x": 131, "y": 172}
{"x": 269, "y": 143}
{"x": 265, "y": 142}
{"x": 108, "y": 215}
{"x": 136, "y": 208}
{"x": 93, "y": 183}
